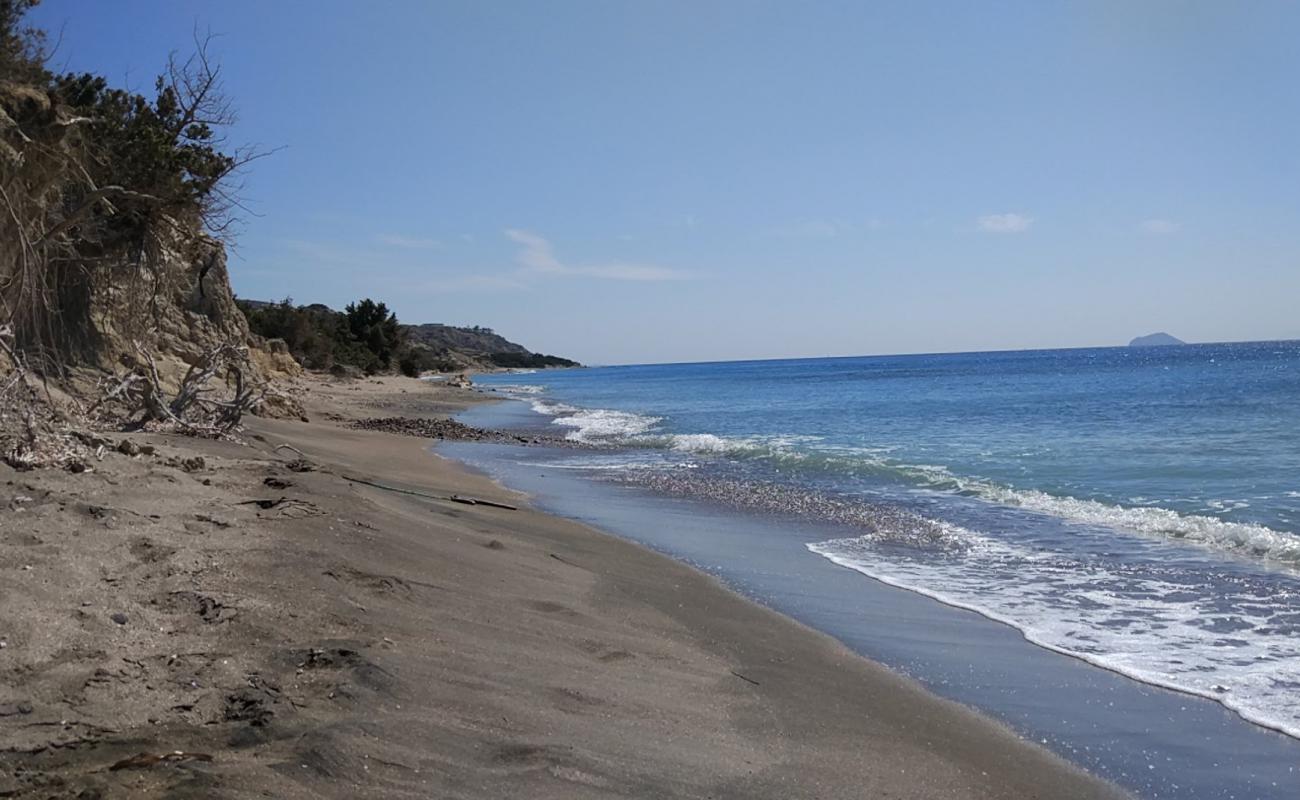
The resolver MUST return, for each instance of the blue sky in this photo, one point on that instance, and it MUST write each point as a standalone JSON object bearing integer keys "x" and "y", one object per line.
{"x": 664, "y": 181}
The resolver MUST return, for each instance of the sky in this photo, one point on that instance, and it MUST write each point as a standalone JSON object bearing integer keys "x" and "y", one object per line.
{"x": 632, "y": 182}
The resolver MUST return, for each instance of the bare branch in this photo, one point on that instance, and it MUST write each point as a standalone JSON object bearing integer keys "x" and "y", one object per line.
{"x": 98, "y": 195}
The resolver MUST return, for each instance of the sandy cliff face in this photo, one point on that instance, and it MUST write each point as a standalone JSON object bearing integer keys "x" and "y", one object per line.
{"x": 80, "y": 294}
{"x": 178, "y": 306}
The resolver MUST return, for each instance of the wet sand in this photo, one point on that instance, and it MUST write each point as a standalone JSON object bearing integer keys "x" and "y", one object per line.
{"x": 347, "y": 640}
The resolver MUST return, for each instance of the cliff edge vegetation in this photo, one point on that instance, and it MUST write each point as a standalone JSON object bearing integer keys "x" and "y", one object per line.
{"x": 115, "y": 303}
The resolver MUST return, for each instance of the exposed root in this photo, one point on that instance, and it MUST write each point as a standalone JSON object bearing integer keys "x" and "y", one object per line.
{"x": 200, "y": 406}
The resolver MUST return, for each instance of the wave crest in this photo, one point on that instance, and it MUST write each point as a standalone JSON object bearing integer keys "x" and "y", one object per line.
{"x": 802, "y": 453}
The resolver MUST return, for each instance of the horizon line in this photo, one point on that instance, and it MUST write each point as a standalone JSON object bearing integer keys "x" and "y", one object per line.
{"x": 933, "y": 353}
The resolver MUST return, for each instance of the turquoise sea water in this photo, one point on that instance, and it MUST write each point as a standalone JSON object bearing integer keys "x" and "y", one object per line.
{"x": 1136, "y": 508}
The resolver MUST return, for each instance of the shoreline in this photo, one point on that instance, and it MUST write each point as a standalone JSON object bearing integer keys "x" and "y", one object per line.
{"x": 348, "y": 639}
{"x": 1153, "y": 740}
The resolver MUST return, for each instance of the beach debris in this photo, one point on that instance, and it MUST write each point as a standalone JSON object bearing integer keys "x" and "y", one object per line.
{"x": 744, "y": 678}
{"x": 128, "y": 448}
{"x": 263, "y": 504}
{"x": 15, "y": 709}
{"x": 495, "y": 544}
{"x": 478, "y": 501}
{"x": 286, "y": 507}
{"x": 92, "y": 439}
{"x": 249, "y": 705}
{"x": 209, "y": 609}
{"x": 321, "y": 657}
{"x": 119, "y": 617}
{"x": 299, "y": 464}
{"x": 139, "y": 398}
{"x": 276, "y": 483}
{"x": 145, "y": 760}
{"x": 190, "y": 464}
{"x": 455, "y": 498}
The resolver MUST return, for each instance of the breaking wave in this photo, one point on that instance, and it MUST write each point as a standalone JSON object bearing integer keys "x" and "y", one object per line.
{"x": 1232, "y": 641}
{"x": 793, "y": 454}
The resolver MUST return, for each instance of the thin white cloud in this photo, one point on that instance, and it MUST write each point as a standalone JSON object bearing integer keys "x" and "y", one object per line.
{"x": 404, "y": 261}
{"x": 537, "y": 257}
{"x": 408, "y": 242}
{"x": 1161, "y": 227}
{"x": 1005, "y": 223}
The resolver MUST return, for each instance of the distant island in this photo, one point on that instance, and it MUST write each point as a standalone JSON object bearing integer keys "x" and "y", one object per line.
{"x": 1161, "y": 339}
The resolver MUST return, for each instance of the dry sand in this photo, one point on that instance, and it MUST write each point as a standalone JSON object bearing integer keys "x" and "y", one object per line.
{"x": 354, "y": 642}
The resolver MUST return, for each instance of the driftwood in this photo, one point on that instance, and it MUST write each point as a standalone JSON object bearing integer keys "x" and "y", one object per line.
{"x": 478, "y": 501}
{"x": 145, "y": 760}
{"x": 193, "y": 409}
{"x": 455, "y": 498}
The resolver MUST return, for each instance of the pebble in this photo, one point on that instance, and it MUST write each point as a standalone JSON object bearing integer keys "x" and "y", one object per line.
{"x": 437, "y": 429}
{"x": 119, "y": 617}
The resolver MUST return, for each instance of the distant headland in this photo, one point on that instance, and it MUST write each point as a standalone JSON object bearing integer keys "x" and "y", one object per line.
{"x": 1160, "y": 339}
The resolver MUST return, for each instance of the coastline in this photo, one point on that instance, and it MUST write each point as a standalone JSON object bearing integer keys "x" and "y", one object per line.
{"x": 415, "y": 645}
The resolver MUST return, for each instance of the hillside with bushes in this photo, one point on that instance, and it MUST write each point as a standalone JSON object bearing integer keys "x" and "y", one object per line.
{"x": 368, "y": 337}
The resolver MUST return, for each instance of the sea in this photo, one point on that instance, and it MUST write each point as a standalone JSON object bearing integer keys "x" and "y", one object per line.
{"x": 1137, "y": 509}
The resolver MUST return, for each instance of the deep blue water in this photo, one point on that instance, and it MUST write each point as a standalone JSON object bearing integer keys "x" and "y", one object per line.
{"x": 1136, "y": 508}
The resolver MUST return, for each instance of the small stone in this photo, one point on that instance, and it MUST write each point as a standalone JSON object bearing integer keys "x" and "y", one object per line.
{"x": 14, "y": 709}
{"x": 128, "y": 448}
{"x": 119, "y": 618}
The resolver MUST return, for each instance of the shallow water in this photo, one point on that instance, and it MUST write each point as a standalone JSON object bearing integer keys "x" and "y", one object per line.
{"x": 1157, "y": 743}
{"x": 1135, "y": 508}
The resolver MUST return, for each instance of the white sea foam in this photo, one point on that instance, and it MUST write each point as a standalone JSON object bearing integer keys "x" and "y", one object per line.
{"x": 705, "y": 443}
{"x": 517, "y": 389}
{"x": 601, "y": 424}
{"x": 1239, "y": 538}
{"x": 1159, "y": 628}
